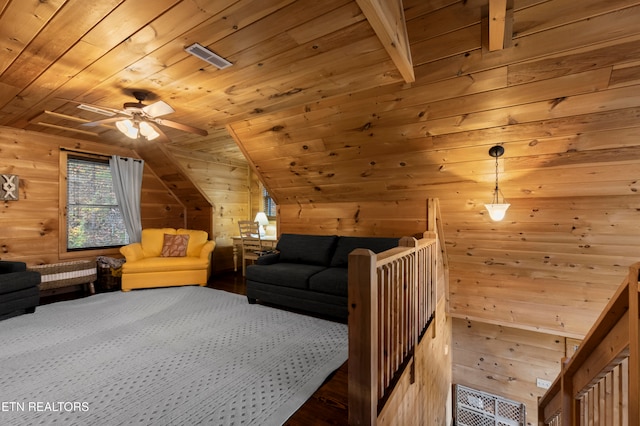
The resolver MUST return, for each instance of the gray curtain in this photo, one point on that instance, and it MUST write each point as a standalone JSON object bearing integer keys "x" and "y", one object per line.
{"x": 127, "y": 184}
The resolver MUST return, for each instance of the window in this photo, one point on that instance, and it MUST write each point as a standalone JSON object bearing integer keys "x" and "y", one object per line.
{"x": 93, "y": 216}
{"x": 268, "y": 205}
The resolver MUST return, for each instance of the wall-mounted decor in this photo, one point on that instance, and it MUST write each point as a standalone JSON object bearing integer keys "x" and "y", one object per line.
{"x": 9, "y": 188}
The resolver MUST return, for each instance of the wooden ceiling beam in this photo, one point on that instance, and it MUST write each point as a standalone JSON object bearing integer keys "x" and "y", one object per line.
{"x": 497, "y": 23}
{"x": 387, "y": 20}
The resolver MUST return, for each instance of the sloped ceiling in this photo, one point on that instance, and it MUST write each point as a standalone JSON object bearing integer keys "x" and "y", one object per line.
{"x": 323, "y": 113}
{"x": 284, "y": 53}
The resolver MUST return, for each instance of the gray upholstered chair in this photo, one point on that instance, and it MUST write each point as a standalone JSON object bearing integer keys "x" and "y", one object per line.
{"x": 19, "y": 292}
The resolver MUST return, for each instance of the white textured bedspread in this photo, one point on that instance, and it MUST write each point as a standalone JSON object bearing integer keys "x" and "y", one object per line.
{"x": 169, "y": 356}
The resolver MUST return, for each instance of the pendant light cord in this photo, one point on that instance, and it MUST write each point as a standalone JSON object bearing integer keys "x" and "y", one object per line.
{"x": 496, "y": 198}
{"x": 496, "y": 174}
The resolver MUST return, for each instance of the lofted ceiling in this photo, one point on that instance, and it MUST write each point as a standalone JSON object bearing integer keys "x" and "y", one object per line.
{"x": 284, "y": 53}
{"x": 321, "y": 101}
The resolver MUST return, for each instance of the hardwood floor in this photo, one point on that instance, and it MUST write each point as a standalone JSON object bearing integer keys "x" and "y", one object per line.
{"x": 328, "y": 405}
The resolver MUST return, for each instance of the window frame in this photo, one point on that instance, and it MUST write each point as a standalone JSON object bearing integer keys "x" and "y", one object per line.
{"x": 63, "y": 251}
{"x": 265, "y": 200}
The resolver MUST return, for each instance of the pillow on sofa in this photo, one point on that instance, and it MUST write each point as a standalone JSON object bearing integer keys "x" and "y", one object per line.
{"x": 175, "y": 245}
{"x": 307, "y": 249}
{"x": 348, "y": 244}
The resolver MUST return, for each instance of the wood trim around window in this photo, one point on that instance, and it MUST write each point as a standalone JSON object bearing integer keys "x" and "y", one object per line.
{"x": 62, "y": 212}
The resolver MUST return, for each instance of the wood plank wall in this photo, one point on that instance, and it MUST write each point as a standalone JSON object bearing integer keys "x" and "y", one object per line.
{"x": 227, "y": 186}
{"x": 30, "y": 226}
{"x": 198, "y": 212}
{"x": 366, "y": 218}
{"x": 505, "y": 361}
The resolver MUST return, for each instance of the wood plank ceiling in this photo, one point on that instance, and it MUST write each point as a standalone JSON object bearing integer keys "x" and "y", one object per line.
{"x": 321, "y": 101}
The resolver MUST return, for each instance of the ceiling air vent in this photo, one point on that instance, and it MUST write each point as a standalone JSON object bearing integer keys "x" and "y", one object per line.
{"x": 206, "y": 55}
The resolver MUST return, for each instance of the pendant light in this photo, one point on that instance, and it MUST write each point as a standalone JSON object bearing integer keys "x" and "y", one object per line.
{"x": 496, "y": 209}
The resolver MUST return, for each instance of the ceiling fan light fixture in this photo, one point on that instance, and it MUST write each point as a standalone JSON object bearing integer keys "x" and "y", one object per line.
{"x": 148, "y": 131}
{"x": 133, "y": 130}
{"x": 138, "y": 120}
{"x": 127, "y": 128}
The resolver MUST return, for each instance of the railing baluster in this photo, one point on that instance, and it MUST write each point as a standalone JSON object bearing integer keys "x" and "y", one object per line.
{"x": 400, "y": 293}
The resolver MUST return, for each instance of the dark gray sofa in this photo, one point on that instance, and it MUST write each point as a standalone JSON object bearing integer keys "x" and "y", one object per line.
{"x": 19, "y": 292}
{"x": 309, "y": 272}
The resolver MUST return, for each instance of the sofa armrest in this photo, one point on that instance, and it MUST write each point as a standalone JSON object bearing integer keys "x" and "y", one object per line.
{"x": 268, "y": 259}
{"x": 207, "y": 248}
{"x": 14, "y": 281}
{"x": 132, "y": 252}
{"x": 8, "y": 266}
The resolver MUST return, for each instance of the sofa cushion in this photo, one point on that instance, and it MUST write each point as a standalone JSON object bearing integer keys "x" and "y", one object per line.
{"x": 324, "y": 304}
{"x": 152, "y": 239}
{"x": 197, "y": 240}
{"x": 330, "y": 281}
{"x": 306, "y": 249}
{"x": 348, "y": 244}
{"x": 164, "y": 264}
{"x": 283, "y": 274}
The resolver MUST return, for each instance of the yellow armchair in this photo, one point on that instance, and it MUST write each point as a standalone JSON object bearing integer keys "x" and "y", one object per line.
{"x": 147, "y": 267}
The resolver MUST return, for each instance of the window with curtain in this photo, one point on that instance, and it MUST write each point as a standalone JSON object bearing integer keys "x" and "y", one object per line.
{"x": 93, "y": 216}
{"x": 268, "y": 205}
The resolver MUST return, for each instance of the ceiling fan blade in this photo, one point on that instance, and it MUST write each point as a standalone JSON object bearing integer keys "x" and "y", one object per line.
{"x": 102, "y": 122}
{"x": 158, "y": 109}
{"x": 183, "y": 127}
{"x": 94, "y": 108}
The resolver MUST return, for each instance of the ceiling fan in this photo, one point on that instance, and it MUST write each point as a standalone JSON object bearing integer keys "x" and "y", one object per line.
{"x": 136, "y": 119}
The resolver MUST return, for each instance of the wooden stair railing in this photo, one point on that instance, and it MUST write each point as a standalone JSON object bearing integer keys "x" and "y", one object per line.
{"x": 599, "y": 384}
{"x": 392, "y": 298}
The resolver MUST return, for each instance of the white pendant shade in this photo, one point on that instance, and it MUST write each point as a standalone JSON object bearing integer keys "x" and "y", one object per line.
{"x": 497, "y": 211}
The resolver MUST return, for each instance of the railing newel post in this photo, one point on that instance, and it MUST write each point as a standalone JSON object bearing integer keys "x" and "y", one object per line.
{"x": 363, "y": 334}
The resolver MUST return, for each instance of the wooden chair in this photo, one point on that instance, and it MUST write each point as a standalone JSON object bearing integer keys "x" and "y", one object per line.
{"x": 251, "y": 242}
